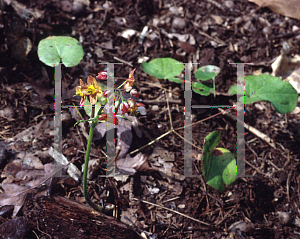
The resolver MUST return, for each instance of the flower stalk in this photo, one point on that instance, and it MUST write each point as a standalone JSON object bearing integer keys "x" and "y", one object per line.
{"x": 93, "y": 91}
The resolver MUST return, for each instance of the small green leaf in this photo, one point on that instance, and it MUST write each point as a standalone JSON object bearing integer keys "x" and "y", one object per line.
{"x": 282, "y": 95}
{"x": 205, "y": 73}
{"x": 54, "y": 49}
{"x": 211, "y": 141}
{"x": 88, "y": 107}
{"x": 218, "y": 165}
{"x": 202, "y": 88}
{"x": 164, "y": 68}
{"x": 223, "y": 169}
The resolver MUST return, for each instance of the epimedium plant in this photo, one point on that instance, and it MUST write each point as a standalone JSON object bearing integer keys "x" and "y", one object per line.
{"x": 93, "y": 97}
{"x": 168, "y": 68}
{"x": 218, "y": 164}
{"x": 97, "y": 97}
{"x": 281, "y": 95}
{"x": 54, "y": 49}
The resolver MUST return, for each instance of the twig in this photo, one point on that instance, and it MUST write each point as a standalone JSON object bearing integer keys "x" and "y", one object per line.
{"x": 171, "y": 210}
{"x": 37, "y": 224}
{"x": 123, "y": 61}
{"x": 253, "y": 130}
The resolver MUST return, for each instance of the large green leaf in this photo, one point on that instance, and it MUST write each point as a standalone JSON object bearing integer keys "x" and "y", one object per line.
{"x": 280, "y": 94}
{"x": 164, "y": 68}
{"x": 54, "y": 49}
{"x": 218, "y": 165}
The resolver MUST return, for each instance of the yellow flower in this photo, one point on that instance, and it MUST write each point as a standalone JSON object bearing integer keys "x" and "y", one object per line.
{"x": 92, "y": 90}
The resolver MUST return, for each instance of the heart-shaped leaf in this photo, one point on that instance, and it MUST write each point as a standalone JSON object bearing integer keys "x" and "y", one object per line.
{"x": 218, "y": 165}
{"x": 54, "y": 49}
{"x": 164, "y": 68}
{"x": 282, "y": 95}
{"x": 205, "y": 73}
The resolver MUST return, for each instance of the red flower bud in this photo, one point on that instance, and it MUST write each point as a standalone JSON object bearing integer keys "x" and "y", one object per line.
{"x": 124, "y": 107}
{"x": 134, "y": 93}
{"x": 128, "y": 88}
{"x": 131, "y": 103}
{"x": 102, "y": 75}
{"x": 106, "y": 93}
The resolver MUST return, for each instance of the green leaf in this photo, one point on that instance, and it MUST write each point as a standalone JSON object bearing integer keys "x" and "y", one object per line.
{"x": 164, "y": 68}
{"x": 223, "y": 169}
{"x": 233, "y": 90}
{"x": 54, "y": 49}
{"x": 88, "y": 107}
{"x": 202, "y": 88}
{"x": 211, "y": 141}
{"x": 205, "y": 73}
{"x": 218, "y": 165}
{"x": 282, "y": 95}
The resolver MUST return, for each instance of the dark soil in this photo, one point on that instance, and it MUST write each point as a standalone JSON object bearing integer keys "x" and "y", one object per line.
{"x": 235, "y": 31}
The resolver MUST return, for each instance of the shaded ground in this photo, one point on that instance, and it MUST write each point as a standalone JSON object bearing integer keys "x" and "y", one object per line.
{"x": 223, "y": 32}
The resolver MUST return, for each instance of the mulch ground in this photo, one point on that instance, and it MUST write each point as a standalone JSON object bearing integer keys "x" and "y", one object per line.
{"x": 217, "y": 33}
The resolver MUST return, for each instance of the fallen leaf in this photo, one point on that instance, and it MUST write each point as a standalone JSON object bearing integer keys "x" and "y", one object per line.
{"x": 13, "y": 195}
{"x": 287, "y": 68}
{"x": 124, "y": 134}
{"x": 130, "y": 165}
{"x": 289, "y": 8}
{"x": 14, "y": 229}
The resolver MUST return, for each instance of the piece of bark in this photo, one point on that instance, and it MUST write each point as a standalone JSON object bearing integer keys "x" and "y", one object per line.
{"x": 64, "y": 218}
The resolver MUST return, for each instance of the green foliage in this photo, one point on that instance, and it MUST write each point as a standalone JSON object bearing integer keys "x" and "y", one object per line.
{"x": 168, "y": 68}
{"x": 280, "y": 94}
{"x": 54, "y": 49}
{"x": 208, "y": 72}
{"x": 205, "y": 73}
{"x": 164, "y": 68}
{"x": 218, "y": 165}
{"x": 202, "y": 88}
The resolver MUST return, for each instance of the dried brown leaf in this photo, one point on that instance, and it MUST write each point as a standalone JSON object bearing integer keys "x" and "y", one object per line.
{"x": 14, "y": 229}
{"x": 130, "y": 165}
{"x": 289, "y": 8}
{"x": 14, "y": 195}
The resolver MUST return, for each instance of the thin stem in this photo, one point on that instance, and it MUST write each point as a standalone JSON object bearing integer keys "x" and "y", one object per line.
{"x": 86, "y": 165}
{"x": 93, "y": 111}
{"x": 214, "y": 83}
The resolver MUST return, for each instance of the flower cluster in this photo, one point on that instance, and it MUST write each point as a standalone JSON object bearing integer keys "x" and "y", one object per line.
{"x": 92, "y": 90}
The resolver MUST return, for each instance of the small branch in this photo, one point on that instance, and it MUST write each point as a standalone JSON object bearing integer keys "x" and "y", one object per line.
{"x": 253, "y": 130}
{"x": 171, "y": 210}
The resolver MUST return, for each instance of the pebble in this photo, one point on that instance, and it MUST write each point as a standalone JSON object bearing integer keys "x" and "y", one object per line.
{"x": 284, "y": 218}
{"x": 241, "y": 226}
{"x": 267, "y": 30}
{"x": 229, "y": 4}
{"x": 155, "y": 108}
{"x": 178, "y": 23}
{"x": 7, "y": 113}
{"x": 78, "y": 7}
